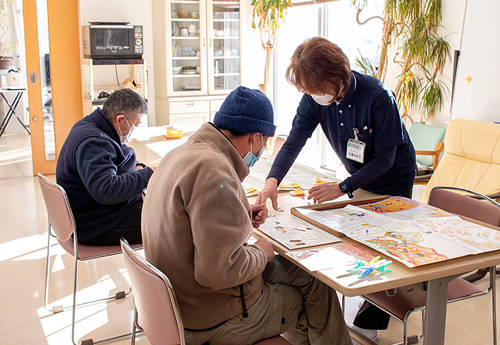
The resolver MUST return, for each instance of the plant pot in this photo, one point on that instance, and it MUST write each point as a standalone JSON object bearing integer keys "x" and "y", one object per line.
{"x": 6, "y": 62}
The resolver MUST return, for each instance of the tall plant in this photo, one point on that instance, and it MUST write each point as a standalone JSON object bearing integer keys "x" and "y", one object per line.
{"x": 411, "y": 28}
{"x": 269, "y": 14}
{"x": 7, "y": 42}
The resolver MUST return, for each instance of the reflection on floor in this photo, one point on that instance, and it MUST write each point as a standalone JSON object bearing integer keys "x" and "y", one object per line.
{"x": 15, "y": 155}
{"x": 23, "y": 242}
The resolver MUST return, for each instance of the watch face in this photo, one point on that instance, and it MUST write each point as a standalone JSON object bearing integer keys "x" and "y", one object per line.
{"x": 343, "y": 187}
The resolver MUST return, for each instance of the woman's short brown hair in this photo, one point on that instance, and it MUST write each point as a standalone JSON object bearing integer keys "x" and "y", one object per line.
{"x": 319, "y": 66}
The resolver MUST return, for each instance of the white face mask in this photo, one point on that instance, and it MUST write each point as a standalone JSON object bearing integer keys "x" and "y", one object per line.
{"x": 125, "y": 139}
{"x": 325, "y": 99}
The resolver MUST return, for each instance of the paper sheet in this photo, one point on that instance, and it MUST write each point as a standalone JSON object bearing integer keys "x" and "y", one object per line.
{"x": 294, "y": 233}
{"x": 412, "y": 237}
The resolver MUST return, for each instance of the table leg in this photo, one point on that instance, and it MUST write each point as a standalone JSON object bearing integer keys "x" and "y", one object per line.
{"x": 435, "y": 311}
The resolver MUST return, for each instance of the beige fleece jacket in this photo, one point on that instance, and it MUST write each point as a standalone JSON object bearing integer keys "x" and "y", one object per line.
{"x": 196, "y": 221}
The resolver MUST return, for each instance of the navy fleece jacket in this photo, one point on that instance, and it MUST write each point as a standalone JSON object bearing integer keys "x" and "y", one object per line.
{"x": 98, "y": 175}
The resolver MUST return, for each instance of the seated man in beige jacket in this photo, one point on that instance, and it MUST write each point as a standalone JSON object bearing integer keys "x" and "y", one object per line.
{"x": 196, "y": 222}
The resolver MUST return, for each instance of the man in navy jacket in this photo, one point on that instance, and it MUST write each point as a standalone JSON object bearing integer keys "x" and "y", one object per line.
{"x": 100, "y": 173}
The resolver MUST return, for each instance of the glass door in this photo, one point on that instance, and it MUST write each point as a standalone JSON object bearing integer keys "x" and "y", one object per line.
{"x": 186, "y": 48}
{"x": 224, "y": 62}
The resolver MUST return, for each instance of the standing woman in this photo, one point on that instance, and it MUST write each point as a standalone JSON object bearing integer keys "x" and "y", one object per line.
{"x": 360, "y": 119}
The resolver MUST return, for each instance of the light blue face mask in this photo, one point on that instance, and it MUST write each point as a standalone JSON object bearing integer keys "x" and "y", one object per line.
{"x": 250, "y": 158}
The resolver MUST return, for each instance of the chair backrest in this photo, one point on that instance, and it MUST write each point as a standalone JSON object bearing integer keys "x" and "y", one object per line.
{"x": 425, "y": 137}
{"x": 484, "y": 209}
{"x": 278, "y": 142}
{"x": 154, "y": 298}
{"x": 471, "y": 158}
{"x": 58, "y": 208}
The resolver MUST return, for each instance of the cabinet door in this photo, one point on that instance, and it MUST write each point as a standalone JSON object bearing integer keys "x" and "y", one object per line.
{"x": 186, "y": 48}
{"x": 224, "y": 43}
{"x": 194, "y": 120}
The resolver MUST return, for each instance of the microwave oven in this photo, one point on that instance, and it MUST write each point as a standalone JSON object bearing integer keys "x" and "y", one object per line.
{"x": 112, "y": 41}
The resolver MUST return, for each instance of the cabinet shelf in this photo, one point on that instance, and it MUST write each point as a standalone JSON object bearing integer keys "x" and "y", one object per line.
{"x": 185, "y": 37}
{"x": 227, "y": 38}
{"x": 186, "y": 58}
{"x": 225, "y": 20}
{"x": 225, "y": 74}
{"x": 226, "y": 57}
{"x": 107, "y": 71}
{"x": 186, "y": 75}
{"x": 185, "y": 2}
{"x": 184, "y": 20}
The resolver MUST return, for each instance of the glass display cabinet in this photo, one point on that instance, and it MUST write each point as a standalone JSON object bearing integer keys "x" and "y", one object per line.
{"x": 203, "y": 49}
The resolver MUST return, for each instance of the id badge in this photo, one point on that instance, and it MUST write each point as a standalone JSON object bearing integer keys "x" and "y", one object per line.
{"x": 356, "y": 150}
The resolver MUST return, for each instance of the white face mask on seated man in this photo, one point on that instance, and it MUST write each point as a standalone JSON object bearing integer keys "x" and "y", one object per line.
{"x": 125, "y": 139}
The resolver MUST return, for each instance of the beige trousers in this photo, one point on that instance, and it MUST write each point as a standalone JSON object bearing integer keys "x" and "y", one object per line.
{"x": 292, "y": 303}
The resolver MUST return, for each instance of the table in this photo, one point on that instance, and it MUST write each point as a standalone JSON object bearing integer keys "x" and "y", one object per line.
{"x": 12, "y": 108}
{"x": 436, "y": 276}
{"x": 150, "y": 143}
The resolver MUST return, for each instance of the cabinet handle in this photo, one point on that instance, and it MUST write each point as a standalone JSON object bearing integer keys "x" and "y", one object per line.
{"x": 210, "y": 42}
{"x": 190, "y": 105}
{"x": 203, "y": 42}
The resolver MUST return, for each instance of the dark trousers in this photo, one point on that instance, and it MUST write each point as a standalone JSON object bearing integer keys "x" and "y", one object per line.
{"x": 129, "y": 228}
{"x": 370, "y": 316}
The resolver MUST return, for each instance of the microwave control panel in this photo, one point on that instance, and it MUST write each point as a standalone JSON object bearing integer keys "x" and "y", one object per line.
{"x": 138, "y": 39}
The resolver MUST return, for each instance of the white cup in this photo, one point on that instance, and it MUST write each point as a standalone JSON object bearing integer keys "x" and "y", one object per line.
{"x": 184, "y": 32}
{"x": 192, "y": 29}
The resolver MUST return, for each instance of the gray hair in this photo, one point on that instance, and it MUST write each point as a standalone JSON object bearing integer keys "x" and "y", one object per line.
{"x": 124, "y": 102}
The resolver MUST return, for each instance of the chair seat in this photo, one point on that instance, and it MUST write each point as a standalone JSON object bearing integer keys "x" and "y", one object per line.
{"x": 87, "y": 251}
{"x": 403, "y": 302}
{"x": 274, "y": 341}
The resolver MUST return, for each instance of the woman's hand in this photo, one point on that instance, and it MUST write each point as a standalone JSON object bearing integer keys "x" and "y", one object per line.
{"x": 325, "y": 192}
{"x": 270, "y": 191}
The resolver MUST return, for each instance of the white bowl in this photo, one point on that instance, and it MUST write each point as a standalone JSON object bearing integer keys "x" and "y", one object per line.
{"x": 176, "y": 70}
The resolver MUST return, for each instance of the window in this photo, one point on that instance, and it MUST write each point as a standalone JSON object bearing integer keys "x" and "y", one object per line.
{"x": 336, "y": 21}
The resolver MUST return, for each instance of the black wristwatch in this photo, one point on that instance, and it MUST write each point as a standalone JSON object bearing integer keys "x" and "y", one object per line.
{"x": 140, "y": 164}
{"x": 345, "y": 189}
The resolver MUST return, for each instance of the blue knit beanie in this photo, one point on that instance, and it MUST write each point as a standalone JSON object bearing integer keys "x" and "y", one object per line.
{"x": 246, "y": 111}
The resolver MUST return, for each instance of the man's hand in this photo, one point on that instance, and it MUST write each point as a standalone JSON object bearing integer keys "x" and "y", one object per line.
{"x": 270, "y": 191}
{"x": 325, "y": 192}
{"x": 259, "y": 214}
{"x": 154, "y": 164}
{"x": 265, "y": 244}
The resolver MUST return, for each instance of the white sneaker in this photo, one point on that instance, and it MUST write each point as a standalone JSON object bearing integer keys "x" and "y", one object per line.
{"x": 369, "y": 333}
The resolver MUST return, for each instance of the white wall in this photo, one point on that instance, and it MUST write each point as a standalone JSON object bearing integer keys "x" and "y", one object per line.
{"x": 453, "y": 17}
{"x": 253, "y": 56}
{"x": 476, "y": 98}
{"x": 137, "y": 12}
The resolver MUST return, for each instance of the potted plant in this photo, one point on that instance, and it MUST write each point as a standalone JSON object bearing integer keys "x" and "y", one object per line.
{"x": 411, "y": 28}
{"x": 269, "y": 13}
{"x": 8, "y": 43}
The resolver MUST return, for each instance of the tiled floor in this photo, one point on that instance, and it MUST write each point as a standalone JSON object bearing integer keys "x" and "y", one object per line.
{"x": 23, "y": 242}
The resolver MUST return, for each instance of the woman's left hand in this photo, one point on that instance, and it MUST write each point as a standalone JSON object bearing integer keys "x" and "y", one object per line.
{"x": 325, "y": 192}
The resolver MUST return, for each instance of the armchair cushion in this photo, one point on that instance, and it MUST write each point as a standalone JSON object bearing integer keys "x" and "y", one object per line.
{"x": 426, "y": 138}
{"x": 471, "y": 158}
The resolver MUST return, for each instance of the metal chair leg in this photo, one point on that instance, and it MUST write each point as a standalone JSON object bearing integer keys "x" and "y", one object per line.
{"x": 494, "y": 301}
{"x": 61, "y": 308}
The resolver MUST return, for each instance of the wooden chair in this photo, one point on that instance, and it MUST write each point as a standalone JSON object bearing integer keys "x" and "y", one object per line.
{"x": 402, "y": 302}
{"x": 428, "y": 143}
{"x": 156, "y": 309}
{"x": 62, "y": 223}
